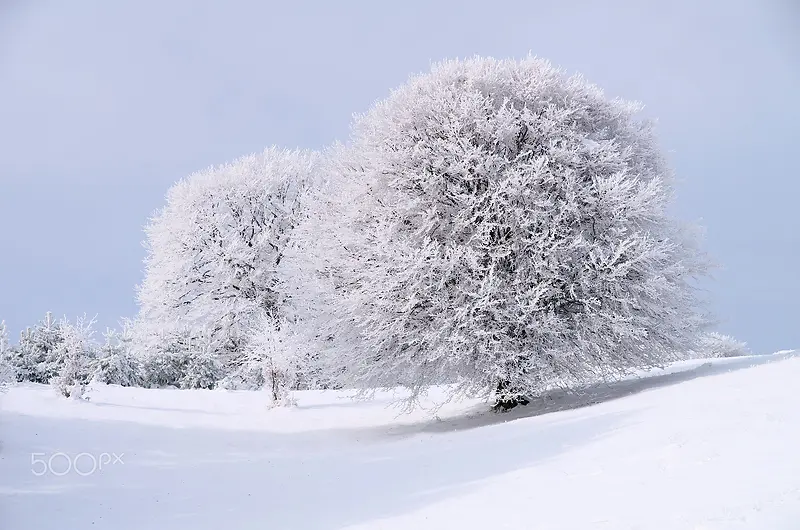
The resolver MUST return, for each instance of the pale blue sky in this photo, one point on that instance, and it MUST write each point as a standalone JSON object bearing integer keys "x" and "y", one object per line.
{"x": 103, "y": 105}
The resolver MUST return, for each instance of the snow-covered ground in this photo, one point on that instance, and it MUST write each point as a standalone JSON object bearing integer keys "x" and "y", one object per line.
{"x": 703, "y": 445}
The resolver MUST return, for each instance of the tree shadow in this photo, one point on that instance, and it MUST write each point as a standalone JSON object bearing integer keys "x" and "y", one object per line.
{"x": 560, "y": 400}
{"x": 193, "y": 478}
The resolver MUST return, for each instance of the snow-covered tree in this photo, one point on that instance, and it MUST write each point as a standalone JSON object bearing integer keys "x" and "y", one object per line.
{"x": 7, "y": 372}
{"x": 203, "y": 368}
{"x": 4, "y": 342}
{"x": 74, "y": 356}
{"x": 275, "y": 356}
{"x": 213, "y": 252}
{"x": 713, "y": 344}
{"x": 34, "y": 358}
{"x": 115, "y": 363}
{"x": 164, "y": 363}
{"x": 7, "y": 375}
{"x": 503, "y": 225}
{"x": 183, "y": 358}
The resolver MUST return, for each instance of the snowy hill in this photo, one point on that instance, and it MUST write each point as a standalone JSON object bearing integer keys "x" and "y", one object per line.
{"x": 701, "y": 445}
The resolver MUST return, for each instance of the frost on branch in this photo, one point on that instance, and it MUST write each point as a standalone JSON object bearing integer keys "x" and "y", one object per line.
{"x": 35, "y": 357}
{"x": 183, "y": 358}
{"x": 4, "y": 344}
{"x": 276, "y": 355}
{"x": 213, "y": 252}
{"x": 713, "y": 345}
{"x": 501, "y": 225}
{"x": 115, "y": 364}
{"x": 7, "y": 372}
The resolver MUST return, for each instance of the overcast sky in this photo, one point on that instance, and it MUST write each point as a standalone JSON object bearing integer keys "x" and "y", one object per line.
{"x": 104, "y": 104}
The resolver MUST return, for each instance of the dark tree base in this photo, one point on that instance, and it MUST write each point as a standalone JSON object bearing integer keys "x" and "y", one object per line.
{"x": 508, "y": 400}
{"x": 506, "y": 404}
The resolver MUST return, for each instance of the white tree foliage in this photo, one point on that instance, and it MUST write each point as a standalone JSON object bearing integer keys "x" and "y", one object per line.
{"x": 115, "y": 363}
{"x": 712, "y": 345}
{"x": 276, "y": 354}
{"x": 7, "y": 372}
{"x": 503, "y": 225}
{"x": 74, "y": 356}
{"x": 4, "y": 342}
{"x": 183, "y": 358}
{"x": 35, "y": 358}
{"x": 204, "y": 368}
{"x": 214, "y": 251}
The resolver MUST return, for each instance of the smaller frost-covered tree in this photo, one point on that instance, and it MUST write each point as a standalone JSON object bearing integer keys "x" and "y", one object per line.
{"x": 214, "y": 250}
{"x": 183, "y": 358}
{"x": 7, "y": 375}
{"x": 714, "y": 345}
{"x": 7, "y": 372}
{"x": 203, "y": 368}
{"x": 274, "y": 353}
{"x": 74, "y": 355}
{"x": 4, "y": 342}
{"x": 34, "y": 358}
{"x": 164, "y": 361}
{"x": 115, "y": 363}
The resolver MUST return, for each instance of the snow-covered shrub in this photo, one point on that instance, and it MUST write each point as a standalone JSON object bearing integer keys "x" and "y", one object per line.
{"x": 310, "y": 374}
{"x": 115, "y": 363}
{"x": 204, "y": 368}
{"x": 273, "y": 350}
{"x": 183, "y": 359}
{"x": 165, "y": 363}
{"x": 712, "y": 345}
{"x": 202, "y": 371}
{"x": 213, "y": 252}
{"x": 503, "y": 225}
{"x": 243, "y": 375}
{"x": 164, "y": 369}
{"x": 278, "y": 359}
{"x": 74, "y": 356}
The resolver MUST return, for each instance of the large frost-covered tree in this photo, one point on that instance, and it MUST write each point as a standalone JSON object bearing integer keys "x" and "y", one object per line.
{"x": 502, "y": 225}
{"x": 214, "y": 250}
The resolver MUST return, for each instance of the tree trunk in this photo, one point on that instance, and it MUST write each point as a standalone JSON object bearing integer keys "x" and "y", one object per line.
{"x": 508, "y": 398}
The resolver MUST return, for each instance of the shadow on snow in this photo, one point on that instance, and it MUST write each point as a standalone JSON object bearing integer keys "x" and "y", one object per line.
{"x": 194, "y": 478}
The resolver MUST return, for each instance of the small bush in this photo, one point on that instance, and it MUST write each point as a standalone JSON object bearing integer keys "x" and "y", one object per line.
{"x": 714, "y": 345}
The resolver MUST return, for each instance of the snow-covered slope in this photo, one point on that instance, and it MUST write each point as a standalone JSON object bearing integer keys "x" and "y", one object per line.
{"x": 702, "y": 445}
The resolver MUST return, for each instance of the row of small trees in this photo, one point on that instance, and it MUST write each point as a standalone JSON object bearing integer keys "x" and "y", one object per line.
{"x": 498, "y": 225}
{"x": 68, "y": 356}
{"x": 61, "y": 353}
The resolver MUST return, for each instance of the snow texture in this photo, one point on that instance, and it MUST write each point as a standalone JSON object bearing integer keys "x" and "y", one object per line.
{"x": 706, "y": 445}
